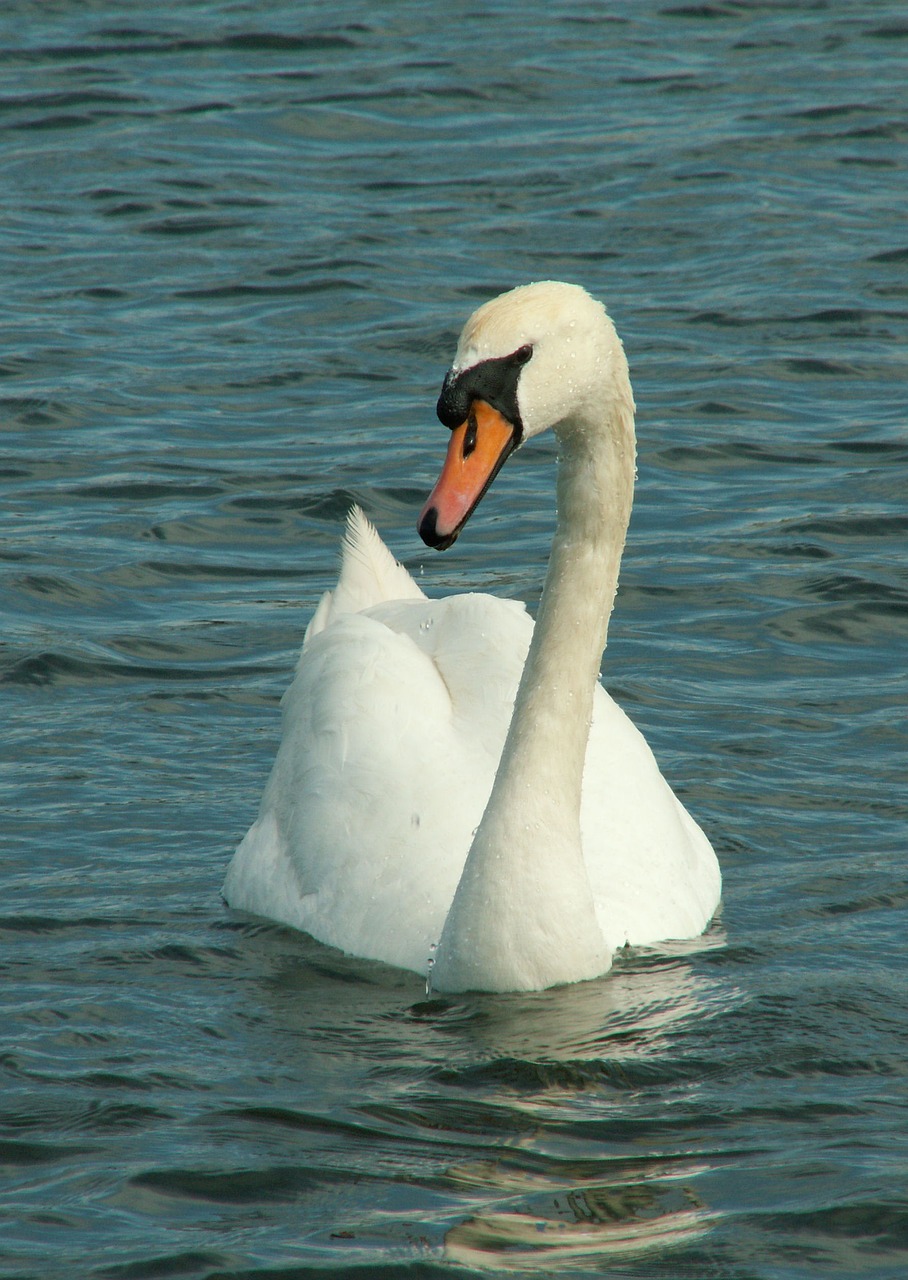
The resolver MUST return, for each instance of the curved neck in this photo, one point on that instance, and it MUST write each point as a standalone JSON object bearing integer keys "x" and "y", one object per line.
{"x": 547, "y": 739}
{"x": 523, "y": 915}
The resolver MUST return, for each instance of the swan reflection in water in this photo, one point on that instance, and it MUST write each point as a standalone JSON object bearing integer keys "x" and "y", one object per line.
{"x": 580, "y": 1226}
{"x": 576, "y": 1190}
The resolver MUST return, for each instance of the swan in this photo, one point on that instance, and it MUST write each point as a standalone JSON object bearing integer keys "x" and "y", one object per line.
{"x": 454, "y": 791}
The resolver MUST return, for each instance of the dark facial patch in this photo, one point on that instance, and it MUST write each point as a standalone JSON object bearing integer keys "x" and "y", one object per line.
{"x": 494, "y": 381}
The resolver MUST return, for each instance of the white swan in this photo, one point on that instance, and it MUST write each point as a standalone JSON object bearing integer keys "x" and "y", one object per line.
{"x": 380, "y": 831}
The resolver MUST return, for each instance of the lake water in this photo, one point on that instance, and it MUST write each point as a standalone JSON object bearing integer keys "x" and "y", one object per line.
{"x": 238, "y": 241}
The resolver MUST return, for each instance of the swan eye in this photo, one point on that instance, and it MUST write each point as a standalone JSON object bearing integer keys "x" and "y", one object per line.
{"x": 523, "y": 354}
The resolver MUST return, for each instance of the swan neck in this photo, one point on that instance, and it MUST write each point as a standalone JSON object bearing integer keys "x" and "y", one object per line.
{"x": 552, "y": 713}
{"x": 523, "y": 916}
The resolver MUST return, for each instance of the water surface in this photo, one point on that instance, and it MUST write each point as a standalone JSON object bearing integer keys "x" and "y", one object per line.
{"x": 238, "y": 242}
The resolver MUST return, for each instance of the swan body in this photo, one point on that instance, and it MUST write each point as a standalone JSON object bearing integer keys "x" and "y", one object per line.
{"x": 450, "y": 777}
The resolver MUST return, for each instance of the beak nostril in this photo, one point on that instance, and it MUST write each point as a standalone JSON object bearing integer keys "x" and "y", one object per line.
{"x": 469, "y": 440}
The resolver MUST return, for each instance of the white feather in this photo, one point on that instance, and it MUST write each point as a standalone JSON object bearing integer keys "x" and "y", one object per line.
{"x": 380, "y": 831}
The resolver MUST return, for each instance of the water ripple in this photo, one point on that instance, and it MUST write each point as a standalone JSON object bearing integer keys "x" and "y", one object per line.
{"x": 239, "y": 243}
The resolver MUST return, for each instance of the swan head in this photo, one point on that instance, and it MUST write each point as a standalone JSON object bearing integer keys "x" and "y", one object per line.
{"x": 544, "y": 355}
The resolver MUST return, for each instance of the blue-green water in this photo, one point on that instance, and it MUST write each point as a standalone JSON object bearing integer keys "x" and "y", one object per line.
{"x": 238, "y": 241}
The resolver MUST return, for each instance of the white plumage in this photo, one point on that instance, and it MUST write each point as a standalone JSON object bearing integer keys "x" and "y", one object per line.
{"x": 398, "y": 715}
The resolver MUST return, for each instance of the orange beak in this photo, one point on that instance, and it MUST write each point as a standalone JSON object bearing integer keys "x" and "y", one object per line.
{"x": 478, "y": 449}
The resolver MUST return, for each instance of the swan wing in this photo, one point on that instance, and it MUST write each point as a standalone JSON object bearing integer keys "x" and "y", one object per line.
{"x": 392, "y": 731}
{"x": 389, "y": 747}
{"x": 369, "y": 576}
{"x": 653, "y": 872}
